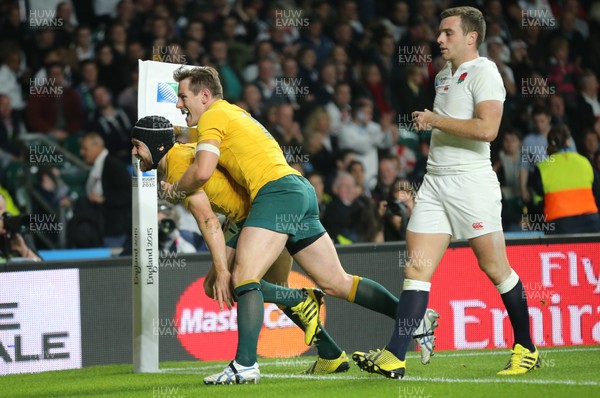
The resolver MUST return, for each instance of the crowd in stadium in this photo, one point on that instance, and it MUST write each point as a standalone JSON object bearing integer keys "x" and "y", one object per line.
{"x": 334, "y": 82}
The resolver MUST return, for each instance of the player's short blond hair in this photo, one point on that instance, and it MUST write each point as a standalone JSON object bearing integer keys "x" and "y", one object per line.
{"x": 471, "y": 20}
{"x": 201, "y": 77}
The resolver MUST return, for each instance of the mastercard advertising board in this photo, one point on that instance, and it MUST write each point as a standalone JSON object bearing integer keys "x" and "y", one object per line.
{"x": 210, "y": 334}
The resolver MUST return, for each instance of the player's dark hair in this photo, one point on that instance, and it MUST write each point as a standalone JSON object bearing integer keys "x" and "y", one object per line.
{"x": 471, "y": 19}
{"x": 201, "y": 77}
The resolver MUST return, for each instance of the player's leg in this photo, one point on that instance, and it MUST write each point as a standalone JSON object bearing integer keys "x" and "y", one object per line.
{"x": 331, "y": 358}
{"x": 428, "y": 235}
{"x": 257, "y": 249}
{"x": 490, "y": 251}
{"x": 425, "y": 252}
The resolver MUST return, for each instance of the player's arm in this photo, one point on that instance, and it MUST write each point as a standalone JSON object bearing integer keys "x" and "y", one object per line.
{"x": 205, "y": 163}
{"x": 210, "y": 227}
{"x": 483, "y": 127}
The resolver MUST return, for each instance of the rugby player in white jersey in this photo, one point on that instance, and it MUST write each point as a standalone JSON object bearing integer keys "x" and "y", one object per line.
{"x": 460, "y": 195}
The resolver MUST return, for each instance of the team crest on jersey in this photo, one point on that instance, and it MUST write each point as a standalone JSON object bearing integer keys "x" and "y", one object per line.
{"x": 442, "y": 81}
{"x": 462, "y": 78}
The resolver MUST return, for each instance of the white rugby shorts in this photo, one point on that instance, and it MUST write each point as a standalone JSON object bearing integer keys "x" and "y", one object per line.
{"x": 462, "y": 205}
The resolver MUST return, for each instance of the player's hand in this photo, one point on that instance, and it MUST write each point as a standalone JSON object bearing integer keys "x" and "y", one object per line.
{"x": 222, "y": 289}
{"x": 422, "y": 120}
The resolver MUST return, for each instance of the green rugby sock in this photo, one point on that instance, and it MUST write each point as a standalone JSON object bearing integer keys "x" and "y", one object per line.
{"x": 250, "y": 316}
{"x": 372, "y": 295}
{"x": 326, "y": 347}
{"x": 281, "y": 295}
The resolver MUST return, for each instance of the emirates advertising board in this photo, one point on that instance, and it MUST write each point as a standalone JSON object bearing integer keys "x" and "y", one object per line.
{"x": 562, "y": 286}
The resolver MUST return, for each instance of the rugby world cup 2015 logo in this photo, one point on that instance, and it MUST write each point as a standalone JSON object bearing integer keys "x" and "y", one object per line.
{"x": 166, "y": 92}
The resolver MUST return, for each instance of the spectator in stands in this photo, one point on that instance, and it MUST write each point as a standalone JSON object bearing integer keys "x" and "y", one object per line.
{"x": 339, "y": 220}
{"x": 307, "y": 68}
{"x": 111, "y": 69}
{"x": 251, "y": 101}
{"x": 263, "y": 50}
{"x": 54, "y": 109}
{"x": 520, "y": 63}
{"x": 388, "y": 172}
{"x": 534, "y": 151}
{"x": 13, "y": 28}
{"x": 565, "y": 180}
{"x": 128, "y": 98}
{"x": 588, "y": 106}
{"x": 590, "y": 144}
{"x": 495, "y": 45}
{"x": 343, "y": 68}
{"x": 83, "y": 44}
{"x": 65, "y": 17}
{"x": 113, "y": 125}
{"x": 348, "y": 11}
{"x": 314, "y": 39}
{"x": 328, "y": 79}
{"x": 42, "y": 43}
{"x": 377, "y": 90}
{"x": 239, "y": 52}
{"x": 508, "y": 167}
{"x": 343, "y": 37}
{"x": 412, "y": 93}
{"x": 556, "y": 104}
{"x": 232, "y": 83}
{"x": 319, "y": 144}
{"x": 10, "y": 130}
{"x": 339, "y": 110}
{"x": 365, "y": 137}
{"x": 267, "y": 84}
{"x": 398, "y": 208}
{"x": 170, "y": 238}
{"x": 10, "y": 81}
{"x": 89, "y": 81}
{"x": 316, "y": 180}
{"x": 193, "y": 52}
{"x": 397, "y": 23}
{"x": 289, "y": 85}
{"x": 103, "y": 216}
{"x": 12, "y": 244}
{"x": 287, "y": 130}
{"x": 357, "y": 170}
{"x": 574, "y": 40}
{"x": 386, "y": 59}
{"x": 563, "y": 72}
{"x": 117, "y": 38}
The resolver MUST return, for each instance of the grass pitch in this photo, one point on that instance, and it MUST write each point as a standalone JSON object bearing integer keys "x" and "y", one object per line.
{"x": 566, "y": 372}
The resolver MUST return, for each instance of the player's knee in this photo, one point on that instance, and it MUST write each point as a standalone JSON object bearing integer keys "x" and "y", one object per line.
{"x": 338, "y": 286}
{"x": 240, "y": 275}
{"x": 497, "y": 272}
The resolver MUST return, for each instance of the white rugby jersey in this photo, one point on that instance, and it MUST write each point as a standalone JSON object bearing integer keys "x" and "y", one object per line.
{"x": 456, "y": 96}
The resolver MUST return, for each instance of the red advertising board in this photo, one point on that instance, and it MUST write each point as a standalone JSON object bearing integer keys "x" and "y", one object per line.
{"x": 562, "y": 284}
{"x": 210, "y": 334}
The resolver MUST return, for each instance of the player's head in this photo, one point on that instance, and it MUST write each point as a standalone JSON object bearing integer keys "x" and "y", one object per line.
{"x": 152, "y": 137}
{"x": 462, "y": 31}
{"x": 199, "y": 87}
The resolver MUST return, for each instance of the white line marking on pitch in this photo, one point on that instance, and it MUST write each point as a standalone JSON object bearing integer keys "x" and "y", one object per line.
{"x": 440, "y": 379}
{"x": 443, "y": 354}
